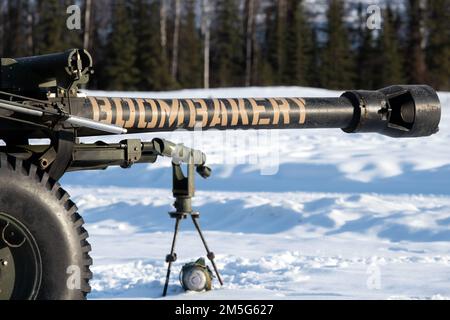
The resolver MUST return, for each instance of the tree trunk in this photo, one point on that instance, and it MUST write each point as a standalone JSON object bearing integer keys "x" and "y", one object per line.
{"x": 415, "y": 55}
{"x": 206, "y": 23}
{"x": 87, "y": 24}
{"x": 250, "y": 6}
{"x": 176, "y": 36}
{"x": 2, "y": 27}
{"x": 163, "y": 26}
{"x": 281, "y": 38}
{"x": 30, "y": 30}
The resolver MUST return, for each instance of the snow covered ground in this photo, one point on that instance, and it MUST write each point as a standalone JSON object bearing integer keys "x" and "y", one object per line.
{"x": 340, "y": 217}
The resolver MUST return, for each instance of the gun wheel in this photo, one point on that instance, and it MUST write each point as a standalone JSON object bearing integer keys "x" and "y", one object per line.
{"x": 20, "y": 260}
{"x": 43, "y": 249}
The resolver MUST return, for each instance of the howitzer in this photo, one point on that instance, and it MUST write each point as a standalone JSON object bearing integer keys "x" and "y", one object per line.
{"x": 42, "y": 235}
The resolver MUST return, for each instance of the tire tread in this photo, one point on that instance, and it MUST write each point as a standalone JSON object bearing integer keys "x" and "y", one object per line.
{"x": 33, "y": 172}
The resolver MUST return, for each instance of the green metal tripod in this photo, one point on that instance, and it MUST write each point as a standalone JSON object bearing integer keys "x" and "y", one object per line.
{"x": 183, "y": 191}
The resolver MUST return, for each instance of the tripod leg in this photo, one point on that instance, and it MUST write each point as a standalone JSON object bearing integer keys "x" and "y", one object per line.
{"x": 210, "y": 254}
{"x": 172, "y": 257}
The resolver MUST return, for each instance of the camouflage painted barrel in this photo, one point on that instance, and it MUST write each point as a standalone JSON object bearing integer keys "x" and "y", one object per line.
{"x": 398, "y": 111}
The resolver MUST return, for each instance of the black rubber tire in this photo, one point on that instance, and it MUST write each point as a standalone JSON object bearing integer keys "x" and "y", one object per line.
{"x": 44, "y": 208}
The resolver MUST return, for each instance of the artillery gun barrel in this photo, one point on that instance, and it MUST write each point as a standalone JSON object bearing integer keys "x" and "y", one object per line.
{"x": 397, "y": 111}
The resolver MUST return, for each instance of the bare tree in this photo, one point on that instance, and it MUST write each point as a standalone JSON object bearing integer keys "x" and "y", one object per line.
{"x": 87, "y": 24}
{"x": 206, "y": 24}
{"x": 176, "y": 37}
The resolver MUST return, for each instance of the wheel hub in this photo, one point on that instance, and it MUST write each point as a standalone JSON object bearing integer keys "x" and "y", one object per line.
{"x": 20, "y": 261}
{"x": 7, "y": 273}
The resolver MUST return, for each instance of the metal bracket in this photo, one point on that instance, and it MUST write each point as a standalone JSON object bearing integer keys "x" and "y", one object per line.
{"x": 64, "y": 141}
{"x": 133, "y": 152}
{"x": 47, "y": 158}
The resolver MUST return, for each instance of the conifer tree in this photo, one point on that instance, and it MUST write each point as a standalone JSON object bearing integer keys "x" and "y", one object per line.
{"x": 438, "y": 49}
{"x": 100, "y": 23}
{"x": 252, "y": 42}
{"x": 390, "y": 66}
{"x": 337, "y": 71}
{"x": 228, "y": 67}
{"x": 190, "y": 71}
{"x": 14, "y": 42}
{"x": 265, "y": 64}
{"x": 416, "y": 68}
{"x": 50, "y": 28}
{"x": 298, "y": 46}
{"x": 275, "y": 41}
{"x": 120, "y": 68}
{"x": 366, "y": 54}
{"x": 152, "y": 63}
{"x": 51, "y": 33}
{"x": 313, "y": 67}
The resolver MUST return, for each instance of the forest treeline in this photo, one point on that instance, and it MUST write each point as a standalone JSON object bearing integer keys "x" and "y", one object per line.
{"x": 171, "y": 44}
